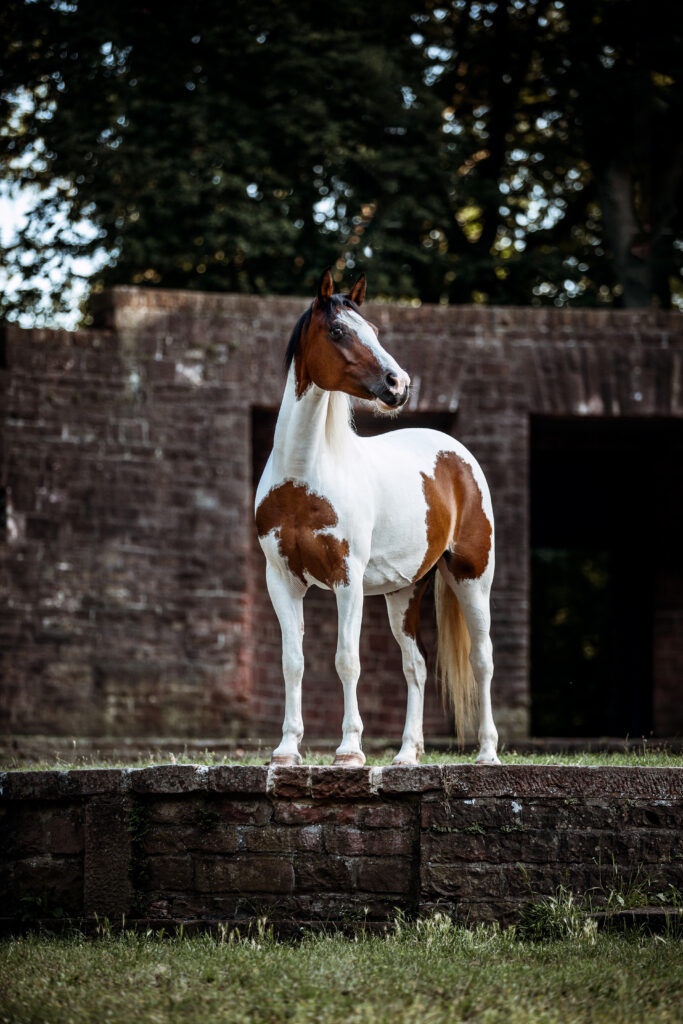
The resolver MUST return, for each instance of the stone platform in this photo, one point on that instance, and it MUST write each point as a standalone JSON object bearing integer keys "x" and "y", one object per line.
{"x": 203, "y": 847}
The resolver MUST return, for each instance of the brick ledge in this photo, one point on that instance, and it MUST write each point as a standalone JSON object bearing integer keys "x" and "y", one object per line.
{"x": 324, "y": 782}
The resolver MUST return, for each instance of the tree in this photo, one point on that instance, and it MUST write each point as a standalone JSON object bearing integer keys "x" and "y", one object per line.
{"x": 457, "y": 151}
{"x": 629, "y": 55}
{"x": 562, "y": 151}
{"x": 210, "y": 145}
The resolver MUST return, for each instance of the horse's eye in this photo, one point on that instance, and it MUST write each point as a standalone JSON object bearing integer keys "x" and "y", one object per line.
{"x": 336, "y": 331}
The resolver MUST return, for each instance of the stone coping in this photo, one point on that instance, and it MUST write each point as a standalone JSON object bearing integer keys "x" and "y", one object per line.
{"x": 311, "y": 782}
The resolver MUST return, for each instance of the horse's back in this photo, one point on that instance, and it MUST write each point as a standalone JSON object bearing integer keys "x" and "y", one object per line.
{"x": 417, "y": 450}
{"x": 432, "y": 498}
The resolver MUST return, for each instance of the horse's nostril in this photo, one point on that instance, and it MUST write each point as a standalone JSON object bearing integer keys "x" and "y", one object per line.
{"x": 391, "y": 380}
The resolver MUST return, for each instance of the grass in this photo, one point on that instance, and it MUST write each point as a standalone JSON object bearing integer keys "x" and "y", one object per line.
{"x": 428, "y": 972}
{"x": 641, "y": 757}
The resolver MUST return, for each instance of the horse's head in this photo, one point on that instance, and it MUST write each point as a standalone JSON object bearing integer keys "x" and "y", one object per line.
{"x": 335, "y": 347}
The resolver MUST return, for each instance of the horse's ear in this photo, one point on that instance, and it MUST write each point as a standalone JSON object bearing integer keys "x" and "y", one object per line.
{"x": 325, "y": 288}
{"x": 357, "y": 293}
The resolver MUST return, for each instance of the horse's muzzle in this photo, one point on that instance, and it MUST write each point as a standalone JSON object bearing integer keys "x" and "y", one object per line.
{"x": 393, "y": 388}
{"x": 392, "y": 401}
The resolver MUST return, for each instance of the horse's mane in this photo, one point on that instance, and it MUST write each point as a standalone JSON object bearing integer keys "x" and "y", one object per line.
{"x": 335, "y": 302}
{"x": 303, "y": 321}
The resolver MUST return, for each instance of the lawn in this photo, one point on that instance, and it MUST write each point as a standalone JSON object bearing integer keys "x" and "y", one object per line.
{"x": 428, "y": 972}
{"x": 640, "y": 757}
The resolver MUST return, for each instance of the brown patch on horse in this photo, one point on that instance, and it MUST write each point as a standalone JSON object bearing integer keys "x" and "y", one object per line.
{"x": 456, "y": 522}
{"x": 411, "y": 616}
{"x": 298, "y": 516}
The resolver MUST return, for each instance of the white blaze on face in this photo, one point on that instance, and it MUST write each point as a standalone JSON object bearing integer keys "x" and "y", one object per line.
{"x": 365, "y": 334}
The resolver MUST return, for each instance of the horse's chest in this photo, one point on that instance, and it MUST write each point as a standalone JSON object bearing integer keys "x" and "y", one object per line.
{"x": 300, "y": 521}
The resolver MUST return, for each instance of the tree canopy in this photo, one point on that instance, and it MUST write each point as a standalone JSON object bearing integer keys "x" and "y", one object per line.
{"x": 508, "y": 152}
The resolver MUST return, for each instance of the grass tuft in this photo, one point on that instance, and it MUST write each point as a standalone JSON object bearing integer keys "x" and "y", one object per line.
{"x": 557, "y": 918}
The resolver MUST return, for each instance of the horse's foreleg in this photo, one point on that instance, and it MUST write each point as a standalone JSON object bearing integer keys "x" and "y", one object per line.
{"x": 403, "y": 606}
{"x": 347, "y": 663}
{"x": 288, "y": 601}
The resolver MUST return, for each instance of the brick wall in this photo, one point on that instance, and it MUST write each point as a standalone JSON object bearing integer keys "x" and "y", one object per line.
{"x": 135, "y": 600}
{"x": 181, "y": 844}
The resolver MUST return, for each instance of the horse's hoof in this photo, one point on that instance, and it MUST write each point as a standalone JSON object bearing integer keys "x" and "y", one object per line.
{"x": 487, "y": 760}
{"x": 349, "y": 761}
{"x": 286, "y": 760}
{"x": 404, "y": 762}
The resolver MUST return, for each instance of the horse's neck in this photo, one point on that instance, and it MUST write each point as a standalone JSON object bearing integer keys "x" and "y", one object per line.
{"x": 312, "y": 431}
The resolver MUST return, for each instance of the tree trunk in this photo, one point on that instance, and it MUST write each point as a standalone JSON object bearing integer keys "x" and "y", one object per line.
{"x": 628, "y": 242}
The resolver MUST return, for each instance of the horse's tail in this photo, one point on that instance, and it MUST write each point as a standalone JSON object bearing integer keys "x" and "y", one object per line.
{"x": 458, "y": 686}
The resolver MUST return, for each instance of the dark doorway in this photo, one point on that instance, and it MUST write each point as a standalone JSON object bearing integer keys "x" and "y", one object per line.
{"x": 605, "y": 499}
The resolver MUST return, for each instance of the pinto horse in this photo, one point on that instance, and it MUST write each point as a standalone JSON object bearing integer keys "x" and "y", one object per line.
{"x": 375, "y": 515}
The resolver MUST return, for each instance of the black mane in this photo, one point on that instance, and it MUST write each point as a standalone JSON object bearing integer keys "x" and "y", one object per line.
{"x": 335, "y": 303}
{"x": 303, "y": 321}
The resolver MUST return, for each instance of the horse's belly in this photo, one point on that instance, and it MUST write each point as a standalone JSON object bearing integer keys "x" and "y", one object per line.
{"x": 397, "y": 550}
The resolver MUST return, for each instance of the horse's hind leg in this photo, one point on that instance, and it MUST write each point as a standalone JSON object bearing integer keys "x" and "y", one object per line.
{"x": 403, "y": 608}
{"x": 474, "y": 599}
{"x": 288, "y": 601}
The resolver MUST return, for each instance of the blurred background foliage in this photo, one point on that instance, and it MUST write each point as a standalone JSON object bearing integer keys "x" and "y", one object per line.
{"x": 520, "y": 152}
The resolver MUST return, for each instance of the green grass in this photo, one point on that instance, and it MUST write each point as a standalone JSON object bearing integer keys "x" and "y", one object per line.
{"x": 427, "y": 973}
{"x": 640, "y": 757}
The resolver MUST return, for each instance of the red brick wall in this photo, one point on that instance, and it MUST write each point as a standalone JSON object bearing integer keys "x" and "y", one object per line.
{"x": 134, "y": 593}
{"x": 197, "y": 846}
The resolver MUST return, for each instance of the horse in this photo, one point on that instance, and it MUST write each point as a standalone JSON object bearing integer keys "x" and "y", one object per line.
{"x": 373, "y": 515}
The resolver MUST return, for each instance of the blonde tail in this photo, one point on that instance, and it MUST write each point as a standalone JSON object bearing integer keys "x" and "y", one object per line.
{"x": 458, "y": 686}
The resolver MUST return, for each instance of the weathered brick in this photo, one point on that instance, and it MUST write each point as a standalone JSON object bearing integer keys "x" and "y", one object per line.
{"x": 183, "y": 839}
{"x": 328, "y": 783}
{"x": 47, "y": 887}
{"x": 203, "y": 906}
{"x": 244, "y": 874}
{"x": 292, "y": 782}
{"x": 169, "y": 873}
{"x": 202, "y": 812}
{"x": 382, "y": 874}
{"x": 241, "y": 812}
{"x": 107, "y": 855}
{"x": 56, "y": 785}
{"x": 438, "y": 812}
{"x": 173, "y": 810}
{"x": 64, "y": 830}
{"x": 523, "y": 782}
{"x": 322, "y": 873}
{"x": 409, "y": 780}
{"x": 654, "y": 814}
{"x": 394, "y": 814}
{"x": 490, "y": 846}
{"x": 238, "y": 779}
{"x": 450, "y": 847}
{"x": 461, "y": 881}
{"x": 22, "y": 832}
{"x": 169, "y": 778}
{"x": 351, "y": 842}
{"x": 280, "y": 838}
{"x": 312, "y": 813}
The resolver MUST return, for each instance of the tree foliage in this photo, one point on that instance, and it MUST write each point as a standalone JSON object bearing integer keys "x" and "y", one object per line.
{"x": 504, "y": 152}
